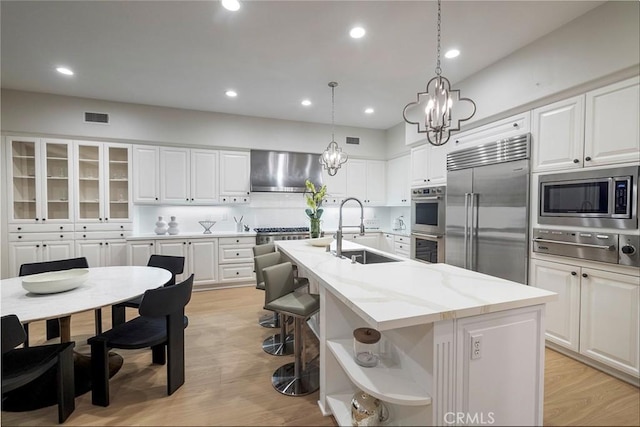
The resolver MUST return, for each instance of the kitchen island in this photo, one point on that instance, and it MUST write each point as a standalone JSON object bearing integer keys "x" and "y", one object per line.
{"x": 457, "y": 347}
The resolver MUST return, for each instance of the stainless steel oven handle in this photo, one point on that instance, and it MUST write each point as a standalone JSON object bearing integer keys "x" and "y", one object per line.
{"x": 466, "y": 229}
{"x": 586, "y": 245}
{"x": 426, "y": 198}
{"x": 428, "y": 236}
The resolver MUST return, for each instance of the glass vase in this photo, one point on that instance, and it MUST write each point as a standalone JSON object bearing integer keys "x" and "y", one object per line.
{"x": 314, "y": 228}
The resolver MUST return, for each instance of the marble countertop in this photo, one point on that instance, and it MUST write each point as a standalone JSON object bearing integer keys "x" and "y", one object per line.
{"x": 187, "y": 235}
{"x": 407, "y": 293}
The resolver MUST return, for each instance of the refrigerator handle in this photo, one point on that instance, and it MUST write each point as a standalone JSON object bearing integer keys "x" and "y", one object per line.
{"x": 472, "y": 231}
{"x": 465, "y": 234}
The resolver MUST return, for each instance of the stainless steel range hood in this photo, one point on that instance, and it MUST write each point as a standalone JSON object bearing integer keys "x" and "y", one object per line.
{"x": 284, "y": 172}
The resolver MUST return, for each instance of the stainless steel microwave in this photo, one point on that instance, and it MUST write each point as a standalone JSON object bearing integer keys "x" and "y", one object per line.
{"x": 605, "y": 198}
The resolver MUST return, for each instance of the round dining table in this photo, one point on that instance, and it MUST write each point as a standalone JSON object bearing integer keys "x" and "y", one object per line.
{"x": 104, "y": 286}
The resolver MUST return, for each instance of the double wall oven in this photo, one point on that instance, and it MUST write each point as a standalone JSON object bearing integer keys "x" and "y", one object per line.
{"x": 428, "y": 224}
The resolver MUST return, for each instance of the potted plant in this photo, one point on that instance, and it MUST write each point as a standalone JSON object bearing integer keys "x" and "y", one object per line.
{"x": 314, "y": 210}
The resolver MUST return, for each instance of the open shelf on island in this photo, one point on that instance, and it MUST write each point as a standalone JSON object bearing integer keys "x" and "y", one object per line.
{"x": 340, "y": 405}
{"x": 385, "y": 383}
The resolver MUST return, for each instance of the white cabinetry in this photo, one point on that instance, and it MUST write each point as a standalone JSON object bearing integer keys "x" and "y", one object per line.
{"x": 371, "y": 240}
{"x": 26, "y": 248}
{"x": 402, "y": 245}
{"x": 146, "y": 174}
{"x": 204, "y": 176}
{"x": 175, "y": 175}
{"x": 505, "y": 128}
{"x": 102, "y": 252}
{"x": 399, "y": 181}
{"x": 597, "y": 312}
{"x": 429, "y": 165}
{"x": 336, "y": 185}
{"x": 139, "y": 251}
{"x": 200, "y": 257}
{"x": 234, "y": 174}
{"x": 612, "y": 124}
{"x": 40, "y": 173}
{"x": 102, "y": 185}
{"x": 235, "y": 259}
{"x": 595, "y": 129}
{"x": 366, "y": 181}
{"x": 388, "y": 243}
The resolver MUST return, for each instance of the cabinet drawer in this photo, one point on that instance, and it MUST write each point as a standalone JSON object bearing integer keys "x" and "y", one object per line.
{"x": 235, "y": 254}
{"x": 236, "y": 273}
{"x": 93, "y": 235}
{"x": 38, "y": 237}
{"x": 127, "y": 226}
{"x": 29, "y": 228}
{"x": 243, "y": 240}
{"x": 402, "y": 248}
{"x": 402, "y": 239}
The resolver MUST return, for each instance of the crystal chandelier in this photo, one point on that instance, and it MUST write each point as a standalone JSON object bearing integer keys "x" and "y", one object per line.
{"x": 333, "y": 157}
{"x": 432, "y": 111}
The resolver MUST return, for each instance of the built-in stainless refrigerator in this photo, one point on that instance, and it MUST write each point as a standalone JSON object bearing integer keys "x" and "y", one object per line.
{"x": 487, "y": 208}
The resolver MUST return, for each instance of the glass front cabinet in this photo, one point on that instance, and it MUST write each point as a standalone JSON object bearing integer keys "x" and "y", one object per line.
{"x": 40, "y": 180}
{"x": 103, "y": 188}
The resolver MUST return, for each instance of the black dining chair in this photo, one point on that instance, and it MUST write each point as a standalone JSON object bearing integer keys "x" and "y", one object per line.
{"x": 175, "y": 265}
{"x": 21, "y": 366}
{"x": 53, "y": 327}
{"x": 160, "y": 326}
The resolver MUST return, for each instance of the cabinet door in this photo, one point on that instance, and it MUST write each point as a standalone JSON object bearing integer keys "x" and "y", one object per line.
{"x": 234, "y": 173}
{"x": 610, "y": 319}
{"x": 92, "y": 250}
{"x": 23, "y": 253}
{"x": 174, "y": 175}
{"x": 176, "y": 248}
{"x": 356, "y": 178}
{"x": 419, "y": 166}
{"x": 204, "y": 176}
{"x": 389, "y": 244}
{"x": 204, "y": 260}
{"x": 57, "y": 250}
{"x": 376, "y": 182}
{"x": 558, "y": 135}
{"x": 336, "y": 184}
{"x": 437, "y": 164}
{"x": 146, "y": 175}
{"x": 23, "y": 165}
{"x": 562, "y": 315}
{"x": 57, "y": 180}
{"x": 505, "y": 128}
{"x": 399, "y": 181}
{"x": 612, "y": 126}
{"x": 117, "y": 160}
{"x": 139, "y": 252}
{"x": 115, "y": 253}
{"x": 90, "y": 182}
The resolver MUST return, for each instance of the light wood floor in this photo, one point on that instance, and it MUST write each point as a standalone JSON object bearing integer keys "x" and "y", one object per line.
{"x": 228, "y": 379}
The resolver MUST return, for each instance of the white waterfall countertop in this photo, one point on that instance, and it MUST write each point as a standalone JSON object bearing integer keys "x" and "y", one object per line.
{"x": 407, "y": 293}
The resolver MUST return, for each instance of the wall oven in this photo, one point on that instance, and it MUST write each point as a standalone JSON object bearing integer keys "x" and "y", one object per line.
{"x": 427, "y": 248}
{"x": 428, "y": 210}
{"x": 606, "y": 198}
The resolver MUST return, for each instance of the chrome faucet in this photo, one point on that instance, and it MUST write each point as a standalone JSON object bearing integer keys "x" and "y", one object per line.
{"x": 340, "y": 227}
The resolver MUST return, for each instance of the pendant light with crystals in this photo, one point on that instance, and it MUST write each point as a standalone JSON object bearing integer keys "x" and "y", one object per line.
{"x": 333, "y": 157}
{"x": 432, "y": 111}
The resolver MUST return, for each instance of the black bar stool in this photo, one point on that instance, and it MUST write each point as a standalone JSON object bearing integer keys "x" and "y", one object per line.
{"x": 281, "y": 296}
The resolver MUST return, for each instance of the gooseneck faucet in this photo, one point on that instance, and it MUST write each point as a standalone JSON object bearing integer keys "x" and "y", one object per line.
{"x": 340, "y": 226}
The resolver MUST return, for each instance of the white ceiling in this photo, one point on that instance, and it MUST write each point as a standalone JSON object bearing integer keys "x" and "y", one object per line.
{"x": 185, "y": 54}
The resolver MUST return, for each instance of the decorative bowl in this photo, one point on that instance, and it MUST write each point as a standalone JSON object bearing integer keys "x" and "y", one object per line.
{"x": 320, "y": 241}
{"x": 55, "y": 281}
{"x": 207, "y": 226}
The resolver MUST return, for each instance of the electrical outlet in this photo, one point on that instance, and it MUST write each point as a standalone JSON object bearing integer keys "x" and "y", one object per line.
{"x": 476, "y": 346}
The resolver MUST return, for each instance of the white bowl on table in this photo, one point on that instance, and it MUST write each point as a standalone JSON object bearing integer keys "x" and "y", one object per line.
{"x": 55, "y": 281}
{"x": 320, "y": 241}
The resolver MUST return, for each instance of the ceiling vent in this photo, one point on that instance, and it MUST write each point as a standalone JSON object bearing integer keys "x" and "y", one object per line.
{"x": 102, "y": 118}
{"x": 353, "y": 140}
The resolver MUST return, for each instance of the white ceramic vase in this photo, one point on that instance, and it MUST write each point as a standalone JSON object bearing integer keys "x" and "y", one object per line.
{"x": 173, "y": 226}
{"x": 161, "y": 226}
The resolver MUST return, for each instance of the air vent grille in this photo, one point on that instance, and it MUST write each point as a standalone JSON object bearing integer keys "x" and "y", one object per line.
{"x": 504, "y": 150}
{"x": 353, "y": 140}
{"x": 90, "y": 117}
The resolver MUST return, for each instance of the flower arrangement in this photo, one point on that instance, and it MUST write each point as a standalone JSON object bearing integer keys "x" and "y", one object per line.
{"x": 314, "y": 211}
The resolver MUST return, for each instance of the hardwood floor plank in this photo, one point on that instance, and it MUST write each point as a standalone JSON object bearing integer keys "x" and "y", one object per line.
{"x": 228, "y": 379}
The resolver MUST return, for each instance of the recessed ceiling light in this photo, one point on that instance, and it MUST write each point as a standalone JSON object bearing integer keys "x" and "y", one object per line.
{"x": 357, "y": 32}
{"x": 64, "y": 70}
{"x": 369, "y": 110}
{"x": 306, "y": 102}
{"x": 452, "y": 53}
{"x": 231, "y": 5}
{"x": 231, "y": 93}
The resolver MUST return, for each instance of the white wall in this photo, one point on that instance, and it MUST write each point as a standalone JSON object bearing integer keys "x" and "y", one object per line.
{"x": 54, "y": 115}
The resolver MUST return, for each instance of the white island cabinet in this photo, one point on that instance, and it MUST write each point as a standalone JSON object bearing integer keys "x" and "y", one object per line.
{"x": 457, "y": 346}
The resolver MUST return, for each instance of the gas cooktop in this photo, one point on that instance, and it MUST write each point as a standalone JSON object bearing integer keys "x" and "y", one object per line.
{"x": 281, "y": 230}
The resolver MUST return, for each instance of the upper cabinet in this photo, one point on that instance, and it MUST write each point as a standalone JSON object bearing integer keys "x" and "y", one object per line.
{"x": 366, "y": 181}
{"x": 103, "y": 187}
{"x": 429, "y": 165}
{"x": 234, "y": 173}
{"x": 595, "y": 129}
{"x": 336, "y": 185}
{"x": 399, "y": 181}
{"x": 611, "y": 124}
{"x": 505, "y": 128}
{"x": 40, "y": 173}
{"x": 146, "y": 174}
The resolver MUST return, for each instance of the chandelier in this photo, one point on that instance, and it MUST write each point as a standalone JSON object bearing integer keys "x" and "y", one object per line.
{"x": 333, "y": 157}
{"x": 432, "y": 111}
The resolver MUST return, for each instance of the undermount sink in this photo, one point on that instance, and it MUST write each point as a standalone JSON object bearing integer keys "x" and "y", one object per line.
{"x": 366, "y": 257}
